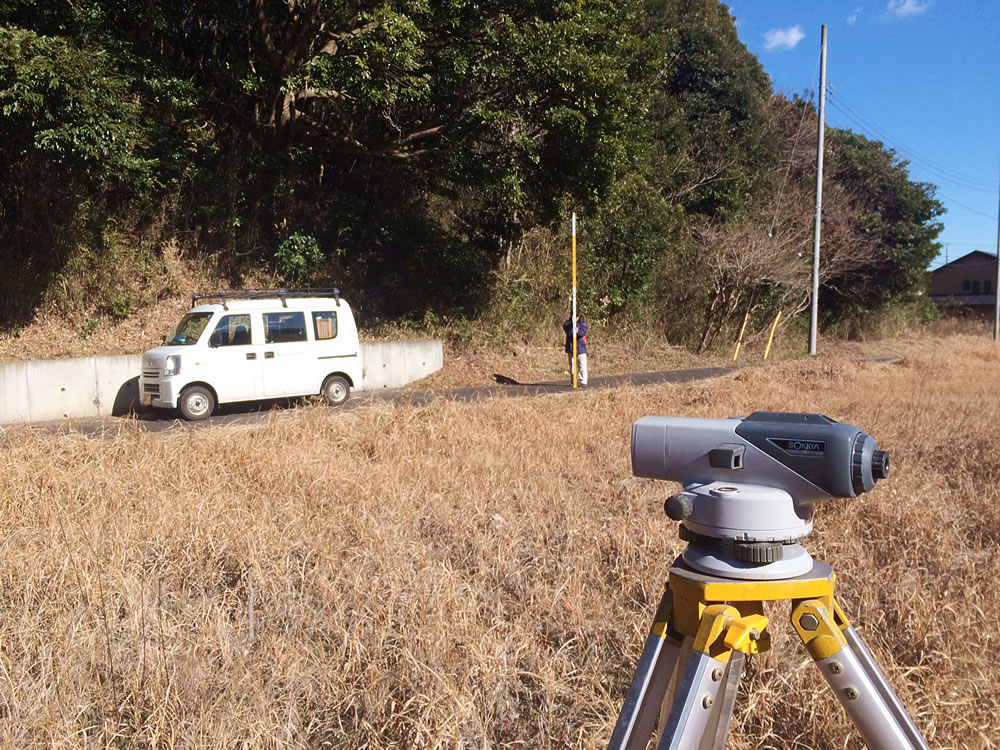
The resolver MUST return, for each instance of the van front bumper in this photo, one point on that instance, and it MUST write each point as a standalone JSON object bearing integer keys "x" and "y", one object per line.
{"x": 158, "y": 392}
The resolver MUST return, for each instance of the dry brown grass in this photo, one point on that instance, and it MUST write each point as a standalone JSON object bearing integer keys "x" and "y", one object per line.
{"x": 471, "y": 575}
{"x": 54, "y": 333}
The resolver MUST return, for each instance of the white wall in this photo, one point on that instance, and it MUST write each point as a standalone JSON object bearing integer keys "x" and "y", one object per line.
{"x": 393, "y": 364}
{"x": 43, "y": 390}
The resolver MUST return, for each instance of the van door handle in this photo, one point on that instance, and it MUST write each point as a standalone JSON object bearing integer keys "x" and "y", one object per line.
{"x": 251, "y": 355}
{"x": 268, "y": 355}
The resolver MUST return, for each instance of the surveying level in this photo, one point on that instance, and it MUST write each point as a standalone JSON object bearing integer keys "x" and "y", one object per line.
{"x": 749, "y": 490}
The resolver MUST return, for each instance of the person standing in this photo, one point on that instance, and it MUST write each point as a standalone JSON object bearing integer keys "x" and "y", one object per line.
{"x": 581, "y": 348}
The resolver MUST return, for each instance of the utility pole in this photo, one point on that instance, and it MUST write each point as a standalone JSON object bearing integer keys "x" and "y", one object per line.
{"x": 996, "y": 287}
{"x": 819, "y": 193}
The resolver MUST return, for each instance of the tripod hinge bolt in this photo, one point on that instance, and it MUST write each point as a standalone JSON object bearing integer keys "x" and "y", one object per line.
{"x": 809, "y": 622}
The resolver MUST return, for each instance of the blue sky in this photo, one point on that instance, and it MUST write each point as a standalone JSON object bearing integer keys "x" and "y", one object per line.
{"x": 921, "y": 76}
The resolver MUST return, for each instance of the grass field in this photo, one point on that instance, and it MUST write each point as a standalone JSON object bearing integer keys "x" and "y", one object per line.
{"x": 473, "y": 575}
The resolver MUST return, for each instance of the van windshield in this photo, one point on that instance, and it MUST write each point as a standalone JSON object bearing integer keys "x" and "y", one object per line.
{"x": 189, "y": 330}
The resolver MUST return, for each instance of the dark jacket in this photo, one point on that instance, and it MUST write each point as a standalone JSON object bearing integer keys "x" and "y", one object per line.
{"x": 581, "y": 336}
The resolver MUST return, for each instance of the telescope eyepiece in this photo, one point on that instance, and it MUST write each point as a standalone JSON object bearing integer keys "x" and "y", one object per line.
{"x": 868, "y": 463}
{"x": 880, "y": 464}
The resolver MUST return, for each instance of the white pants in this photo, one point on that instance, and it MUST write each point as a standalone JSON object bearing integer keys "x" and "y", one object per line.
{"x": 582, "y": 372}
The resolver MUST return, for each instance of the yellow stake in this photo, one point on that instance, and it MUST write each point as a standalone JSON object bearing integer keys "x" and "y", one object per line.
{"x": 739, "y": 341}
{"x": 774, "y": 327}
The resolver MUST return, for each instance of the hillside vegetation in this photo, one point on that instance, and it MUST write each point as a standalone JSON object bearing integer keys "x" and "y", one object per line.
{"x": 472, "y": 575}
{"x": 425, "y": 157}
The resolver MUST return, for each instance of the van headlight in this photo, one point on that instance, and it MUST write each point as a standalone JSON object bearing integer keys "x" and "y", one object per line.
{"x": 172, "y": 366}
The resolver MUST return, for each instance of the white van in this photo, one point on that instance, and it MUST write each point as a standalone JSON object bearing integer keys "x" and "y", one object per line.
{"x": 254, "y": 345}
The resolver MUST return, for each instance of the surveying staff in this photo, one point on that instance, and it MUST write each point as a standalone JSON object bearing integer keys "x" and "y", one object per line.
{"x": 581, "y": 348}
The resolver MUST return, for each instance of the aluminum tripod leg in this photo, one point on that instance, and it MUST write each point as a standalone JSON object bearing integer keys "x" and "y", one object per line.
{"x": 703, "y": 706}
{"x": 691, "y": 665}
{"x": 704, "y": 672}
{"x": 653, "y": 675}
{"x": 855, "y": 679}
{"x": 706, "y": 694}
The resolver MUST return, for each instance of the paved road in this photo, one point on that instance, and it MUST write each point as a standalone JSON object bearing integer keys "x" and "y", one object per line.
{"x": 243, "y": 414}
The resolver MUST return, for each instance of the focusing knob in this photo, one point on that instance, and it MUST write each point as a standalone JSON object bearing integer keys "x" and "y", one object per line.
{"x": 679, "y": 506}
{"x": 758, "y": 552}
{"x": 880, "y": 464}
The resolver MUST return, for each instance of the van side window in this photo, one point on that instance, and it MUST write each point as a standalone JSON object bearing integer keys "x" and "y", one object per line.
{"x": 325, "y": 325}
{"x": 280, "y": 328}
{"x": 233, "y": 330}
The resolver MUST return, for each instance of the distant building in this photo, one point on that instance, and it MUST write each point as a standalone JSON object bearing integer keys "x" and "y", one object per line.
{"x": 967, "y": 285}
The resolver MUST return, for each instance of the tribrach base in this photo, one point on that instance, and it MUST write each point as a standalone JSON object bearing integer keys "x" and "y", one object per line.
{"x": 685, "y": 684}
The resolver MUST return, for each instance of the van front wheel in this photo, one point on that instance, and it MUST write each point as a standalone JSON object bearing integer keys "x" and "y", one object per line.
{"x": 196, "y": 403}
{"x": 336, "y": 390}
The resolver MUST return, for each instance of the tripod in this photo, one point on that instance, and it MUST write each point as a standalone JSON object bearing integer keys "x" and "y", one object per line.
{"x": 693, "y": 659}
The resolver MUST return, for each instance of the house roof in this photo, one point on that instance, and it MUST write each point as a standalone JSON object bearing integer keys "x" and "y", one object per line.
{"x": 975, "y": 257}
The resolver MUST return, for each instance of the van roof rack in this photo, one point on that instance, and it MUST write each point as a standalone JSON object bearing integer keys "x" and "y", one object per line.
{"x": 224, "y": 295}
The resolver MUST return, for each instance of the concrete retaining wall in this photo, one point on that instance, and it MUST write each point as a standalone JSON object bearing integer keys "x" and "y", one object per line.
{"x": 43, "y": 390}
{"x": 392, "y": 364}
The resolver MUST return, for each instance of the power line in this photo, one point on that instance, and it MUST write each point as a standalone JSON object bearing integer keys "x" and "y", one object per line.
{"x": 935, "y": 172}
{"x": 954, "y": 178}
{"x": 968, "y": 208}
{"x": 852, "y": 112}
{"x": 854, "y": 115}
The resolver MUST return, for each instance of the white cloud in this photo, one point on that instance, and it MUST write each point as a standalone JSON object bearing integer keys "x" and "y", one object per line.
{"x": 908, "y": 8}
{"x": 852, "y": 19}
{"x": 783, "y": 38}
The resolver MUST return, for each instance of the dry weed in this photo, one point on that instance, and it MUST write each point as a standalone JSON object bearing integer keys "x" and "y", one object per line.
{"x": 471, "y": 575}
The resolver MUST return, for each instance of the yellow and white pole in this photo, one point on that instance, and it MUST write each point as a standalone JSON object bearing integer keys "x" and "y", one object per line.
{"x": 572, "y": 331}
{"x": 770, "y": 339}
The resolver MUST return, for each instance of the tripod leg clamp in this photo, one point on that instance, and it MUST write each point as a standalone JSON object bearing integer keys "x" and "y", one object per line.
{"x": 723, "y": 631}
{"x": 822, "y": 635}
{"x": 745, "y": 634}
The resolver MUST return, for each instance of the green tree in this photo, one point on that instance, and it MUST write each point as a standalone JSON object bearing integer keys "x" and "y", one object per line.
{"x": 703, "y": 149}
{"x": 895, "y": 215}
{"x": 72, "y": 143}
{"x": 712, "y": 149}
